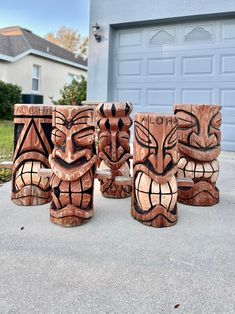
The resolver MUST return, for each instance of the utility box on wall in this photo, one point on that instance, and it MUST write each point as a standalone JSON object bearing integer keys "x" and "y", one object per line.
{"x": 32, "y": 99}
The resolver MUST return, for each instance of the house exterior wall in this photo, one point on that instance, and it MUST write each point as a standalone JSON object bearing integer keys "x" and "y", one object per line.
{"x": 54, "y": 75}
{"x": 111, "y": 14}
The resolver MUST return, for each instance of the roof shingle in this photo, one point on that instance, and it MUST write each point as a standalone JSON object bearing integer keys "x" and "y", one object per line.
{"x": 20, "y": 40}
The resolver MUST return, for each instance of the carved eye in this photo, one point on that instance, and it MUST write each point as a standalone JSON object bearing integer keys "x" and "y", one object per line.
{"x": 104, "y": 138}
{"x": 216, "y": 121}
{"x": 185, "y": 120}
{"x": 85, "y": 137}
{"x": 144, "y": 137}
{"x": 123, "y": 139}
{"x": 171, "y": 139}
{"x": 58, "y": 137}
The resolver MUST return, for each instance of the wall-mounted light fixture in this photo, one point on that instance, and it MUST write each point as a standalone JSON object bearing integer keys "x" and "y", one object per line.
{"x": 96, "y": 32}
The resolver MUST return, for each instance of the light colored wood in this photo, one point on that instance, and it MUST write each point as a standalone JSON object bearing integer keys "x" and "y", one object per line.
{"x": 199, "y": 146}
{"x": 73, "y": 164}
{"x": 6, "y": 164}
{"x": 45, "y": 172}
{"x": 155, "y": 159}
{"x": 32, "y": 132}
{"x": 113, "y": 121}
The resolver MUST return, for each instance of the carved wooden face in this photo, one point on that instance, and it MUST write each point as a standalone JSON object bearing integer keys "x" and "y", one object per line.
{"x": 199, "y": 130}
{"x": 199, "y": 146}
{"x": 114, "y": 144}
{"x": 155, "y": 165}
{"x": 114, "y": 136}
{"x": 72, "y": 160}
{"x": 32, "y": 146}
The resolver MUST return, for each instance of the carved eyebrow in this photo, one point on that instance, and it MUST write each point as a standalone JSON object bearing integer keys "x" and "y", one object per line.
{"x": 60, "y": 114}
{"x": 77, "y": 117}
{"x": 187, "y": 113}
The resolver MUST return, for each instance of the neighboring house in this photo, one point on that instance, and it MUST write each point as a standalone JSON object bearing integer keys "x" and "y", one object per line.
{"x": 40, "y": 67}
{"x": 156, "y": 53}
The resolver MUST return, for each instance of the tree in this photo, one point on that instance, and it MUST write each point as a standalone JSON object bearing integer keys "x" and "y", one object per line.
{"x": 72, "y": 94}
{"x": 69, "y": 39}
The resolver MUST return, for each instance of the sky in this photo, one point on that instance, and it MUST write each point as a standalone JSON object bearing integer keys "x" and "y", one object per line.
{"x": 44, "y": 16}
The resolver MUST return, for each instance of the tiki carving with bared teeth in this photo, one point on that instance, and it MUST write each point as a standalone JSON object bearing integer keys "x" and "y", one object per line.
{"x": 114, "y": 146}
{"x": 73, "y": 163}
{"x": 155, "y": 157}
{"x": 32, "y": 146}
{"x": 199, "y": 146}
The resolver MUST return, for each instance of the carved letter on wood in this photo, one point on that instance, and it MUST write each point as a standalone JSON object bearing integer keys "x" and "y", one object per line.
{"x": 32, "y": 146}
{"x": 114, "y": 146}
{"x": 199, "y": 146}
{"x": 73, "y": 163}
{"x": 155, "y": 157}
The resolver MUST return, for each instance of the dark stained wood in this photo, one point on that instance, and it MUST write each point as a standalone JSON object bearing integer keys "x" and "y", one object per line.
{"x": 73, "y": 163}
{"x": 32, "y": 146}
{"x": 114, "y": 146}
{"x": 155, "y": 157}
{"x": 199, "y": 146}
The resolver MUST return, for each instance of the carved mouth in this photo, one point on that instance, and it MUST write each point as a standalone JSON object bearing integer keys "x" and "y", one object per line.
{"x": 149, "y": 193}
{"x": 27, "y": 174}
{"x": 77, "y": 193}
{"x": 199, "y": 170}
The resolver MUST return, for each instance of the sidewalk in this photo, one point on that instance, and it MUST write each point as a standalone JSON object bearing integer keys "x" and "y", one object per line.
{"x": 113, "y": 264}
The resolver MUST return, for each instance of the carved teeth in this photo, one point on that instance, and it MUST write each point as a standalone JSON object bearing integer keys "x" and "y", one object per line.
{"x": 190, "y": 169}
{"x": 149, "y": 193}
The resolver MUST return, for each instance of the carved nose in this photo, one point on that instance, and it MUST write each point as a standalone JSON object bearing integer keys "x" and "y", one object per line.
{"x": 69, "y": 155}
{"x": 159, "y": 162}
{"x": 203, "y": 140}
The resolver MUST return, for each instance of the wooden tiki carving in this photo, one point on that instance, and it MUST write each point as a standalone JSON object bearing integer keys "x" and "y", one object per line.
{"x": 114, "y": 146}
{"x": 73, "y": 163}
{"x": 199, "y": 146}
{"x": 155, "y": 157}
{"x": 32, "y": 146}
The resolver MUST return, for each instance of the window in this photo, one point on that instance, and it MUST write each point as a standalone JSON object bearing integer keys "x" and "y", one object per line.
{"x": 72, "y": 77}
{"x": 36, "y": 78}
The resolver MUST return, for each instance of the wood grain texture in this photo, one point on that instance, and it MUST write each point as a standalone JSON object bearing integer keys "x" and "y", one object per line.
{"x": 73, "y": 163}
{"x": 199, "y": 146}
{"x": 155, "y": 157}
{"x": 114, "y": 146}
{"x": 32, "y": 146}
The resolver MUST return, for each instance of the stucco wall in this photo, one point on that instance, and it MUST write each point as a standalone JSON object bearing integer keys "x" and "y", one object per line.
{"x": 53, "y": 75}
{"x": 111, "y": 12}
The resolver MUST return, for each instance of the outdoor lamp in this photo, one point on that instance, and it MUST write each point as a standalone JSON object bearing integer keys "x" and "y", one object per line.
{"x": 96, "y": 32}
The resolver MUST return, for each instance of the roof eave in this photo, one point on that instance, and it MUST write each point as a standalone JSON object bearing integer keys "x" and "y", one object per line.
{"x": 44, "y": 55}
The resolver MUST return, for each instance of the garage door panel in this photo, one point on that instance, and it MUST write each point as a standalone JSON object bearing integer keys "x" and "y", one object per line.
{"x": 198, "y": 65}
{"x": 161, "y": 97}
{"x": 161, "y": 66}
{"x": 228, "y": 64}
{"x": 197, "y": 95}
{"x": 157, "y": 66}
{"x": 228, "y": 116}
{"x": 126, "y": 94}
{"x": 129, "y": 67}
{"x": 227, "y": 97}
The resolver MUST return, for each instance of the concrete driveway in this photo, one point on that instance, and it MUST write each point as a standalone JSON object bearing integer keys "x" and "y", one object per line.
{"x": 114, "y": 264}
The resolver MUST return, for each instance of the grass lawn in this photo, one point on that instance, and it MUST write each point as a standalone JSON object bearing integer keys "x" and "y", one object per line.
{"x": 6, "y": 147}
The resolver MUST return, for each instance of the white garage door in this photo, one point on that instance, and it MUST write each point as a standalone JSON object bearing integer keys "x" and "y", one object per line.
{"x": 184, "y": 63}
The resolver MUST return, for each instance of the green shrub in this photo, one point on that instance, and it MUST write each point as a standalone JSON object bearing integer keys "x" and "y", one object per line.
{"x": 9, "y": 95}
{"x": 72, "y": 94}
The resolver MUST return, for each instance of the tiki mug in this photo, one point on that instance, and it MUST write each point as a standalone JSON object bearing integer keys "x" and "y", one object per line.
{"x": 199, "y": 146}
{"x": 155, "y": 158}
{"x": 114, "y": 146}
{"x": 32, "y": 146}
{"x": 73, "y": 163}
